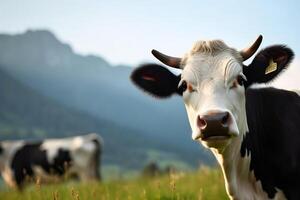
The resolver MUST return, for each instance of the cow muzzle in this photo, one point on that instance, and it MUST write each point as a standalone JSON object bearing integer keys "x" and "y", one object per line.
{"x": 214, "y": 126}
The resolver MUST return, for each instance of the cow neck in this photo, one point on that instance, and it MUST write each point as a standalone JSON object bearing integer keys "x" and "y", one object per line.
{"x": 236, "y": 169}
{"x": 233, "y": 166}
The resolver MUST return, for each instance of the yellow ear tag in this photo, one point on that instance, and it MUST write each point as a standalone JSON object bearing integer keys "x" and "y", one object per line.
{"x": 272, "y": 67}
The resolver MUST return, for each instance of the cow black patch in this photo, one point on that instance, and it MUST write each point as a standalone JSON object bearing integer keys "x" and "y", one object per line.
{"x": 97, "y": 158}
{"x": 1, "y": 149}
{"x": 61, "y": 162}
{"x": 273, "y": 140}
{"x": 31, "y": 155}
{"x": 25, "y": 158}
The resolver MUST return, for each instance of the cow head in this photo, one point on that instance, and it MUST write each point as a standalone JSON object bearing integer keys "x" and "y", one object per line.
{"x": 213, "y": 84}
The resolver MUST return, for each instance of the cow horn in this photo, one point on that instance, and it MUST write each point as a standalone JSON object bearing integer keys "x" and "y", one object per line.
{"x": 248, "y": 52}
{"x": 168, "y": 60}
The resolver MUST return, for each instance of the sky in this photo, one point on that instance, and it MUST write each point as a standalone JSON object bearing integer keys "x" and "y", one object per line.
{"x": 124, "y": 32}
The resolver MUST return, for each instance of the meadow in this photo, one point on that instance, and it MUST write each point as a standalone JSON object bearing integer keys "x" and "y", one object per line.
{"x": 205, "y": 183}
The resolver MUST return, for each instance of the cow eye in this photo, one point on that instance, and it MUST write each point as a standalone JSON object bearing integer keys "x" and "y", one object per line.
{"x": 240, "y": 80}
{"x": 186, "y": 86}
{"x": 183, "y": 86}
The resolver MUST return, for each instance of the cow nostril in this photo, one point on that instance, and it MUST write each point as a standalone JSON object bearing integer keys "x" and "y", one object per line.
{"x": 201, "y": 123}
{"x": 225, "y": 120}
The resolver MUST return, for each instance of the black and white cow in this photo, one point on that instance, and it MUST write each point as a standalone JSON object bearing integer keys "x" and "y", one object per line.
{"x": 253, "y": 133}
{"x": 51, "y": 159}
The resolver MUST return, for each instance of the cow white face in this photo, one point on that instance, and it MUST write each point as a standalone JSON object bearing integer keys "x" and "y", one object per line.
{"x": 213, "y": 85}
{"x": 214, "y": 97}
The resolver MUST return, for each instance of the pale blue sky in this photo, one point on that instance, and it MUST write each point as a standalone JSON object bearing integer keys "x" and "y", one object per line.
{"x": 125, "y": 31}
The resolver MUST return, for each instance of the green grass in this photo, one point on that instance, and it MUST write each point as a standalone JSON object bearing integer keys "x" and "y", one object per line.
{"x": 204, "y": 184}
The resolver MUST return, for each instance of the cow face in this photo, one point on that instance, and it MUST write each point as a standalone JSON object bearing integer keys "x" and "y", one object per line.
{"x": 213, "y": 93}
{"x": 213, "y": 84}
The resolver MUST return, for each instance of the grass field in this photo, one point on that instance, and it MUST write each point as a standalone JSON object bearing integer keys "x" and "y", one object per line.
{"x": 204, "y": 184}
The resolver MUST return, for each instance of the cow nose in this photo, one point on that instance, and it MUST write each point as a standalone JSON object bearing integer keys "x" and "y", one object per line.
{"x": 221, "y": 119}
{"x": 214, "y": 123}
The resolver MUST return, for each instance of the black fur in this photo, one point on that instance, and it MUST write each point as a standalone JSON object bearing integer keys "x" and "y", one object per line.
{"x": 273, "y": 140}
{"x": 255, "y": 72}
{"x": 61, "y": 162}
{"x": 156, "y": 80}
{"x": 32, "y": 155}
{"x": 97, "y": 158}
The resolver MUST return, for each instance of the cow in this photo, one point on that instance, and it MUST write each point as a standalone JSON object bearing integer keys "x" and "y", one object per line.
{"x": 50, "y": 160}
{"x": 254, "y": 132}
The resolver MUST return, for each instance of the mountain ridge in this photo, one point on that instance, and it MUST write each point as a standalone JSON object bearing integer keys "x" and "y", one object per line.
{"x": 91, "y": 85}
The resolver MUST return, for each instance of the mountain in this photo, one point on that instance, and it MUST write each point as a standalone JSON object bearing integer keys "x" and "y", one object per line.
{"x": 26, "y": 114}
{"x": 90, "y": 85}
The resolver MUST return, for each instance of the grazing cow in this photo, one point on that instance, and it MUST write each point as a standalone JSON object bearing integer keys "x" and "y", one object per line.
{"x": 253, "y": 132}
{"x": 51, "y": 159}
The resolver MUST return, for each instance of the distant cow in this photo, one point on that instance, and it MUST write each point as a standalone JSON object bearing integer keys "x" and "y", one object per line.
{"x": 253, "y": 132}
{"x": 51, "y": 159}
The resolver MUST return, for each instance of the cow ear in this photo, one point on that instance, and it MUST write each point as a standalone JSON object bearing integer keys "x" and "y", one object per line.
{"x": 156, "y": 80}
{"x": 267, "y": 64}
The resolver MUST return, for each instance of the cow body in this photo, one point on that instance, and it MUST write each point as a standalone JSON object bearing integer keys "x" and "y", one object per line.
{"x": 50, "y": 160}
{"x": 254, "y": 133}
{"x": 272, "y": 142}
{"x": 265, "y": 162}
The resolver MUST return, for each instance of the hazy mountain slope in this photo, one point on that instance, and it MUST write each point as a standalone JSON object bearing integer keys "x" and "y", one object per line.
{"x": 90, "y": 84}
{"x": 86, "y": 82}
{"x": 26, "y": 114}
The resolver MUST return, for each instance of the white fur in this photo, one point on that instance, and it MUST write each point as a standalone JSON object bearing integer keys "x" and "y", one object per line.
{"x": 211, "y": 77}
